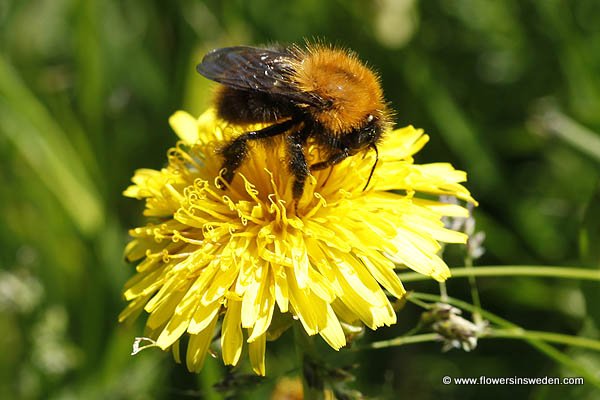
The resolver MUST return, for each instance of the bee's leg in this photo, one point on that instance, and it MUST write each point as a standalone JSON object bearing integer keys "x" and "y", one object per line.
{"x": 297, "y": 161}
{"x": 236, "y": 151}
{"x": 341, "y": 156}
{"x": 331, "y": 161}
{"x": 234, "y": 154}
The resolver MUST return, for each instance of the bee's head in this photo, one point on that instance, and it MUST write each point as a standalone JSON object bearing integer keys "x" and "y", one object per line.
{"x": 365, "y": 136}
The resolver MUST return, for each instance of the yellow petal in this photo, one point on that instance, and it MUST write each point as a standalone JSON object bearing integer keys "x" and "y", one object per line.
{"x": 323, "y": 265}
{"x": 176, "y": 350}
{"x": 176, "y": 327}
{"x": 323, "y": 234}
{"x": 256, "y": 351}
{"x": 382, "y": 270}
{"x": 310, "y": 309}
{"x": 250, "y": 302}
{"x": 185, "y": 126}
{"x": 203, "y": 316}
{"x": 164, "y": 309}
{"x": 416, "y": 253}
{"x": 434, "y": 228}
{"x": 143, "y": 284}
{"x": 344, "y": 313}
{"x": 266, "y": 302}
{"x": 135, "y": 250}
{"x": 133, "y": 309}
{"x": 332, "y": 332}
{"x": 402, "y": 143}
{"x": 354, "y": 273}
{"x": 198, "y": 347}
{"x": 299, "y": 258}
{"x": 320, "y": 286}
{"x": 281, "y": 288}
{"x": 232, "y": 338}
{"x": 221, "y": 283}
{"x": 446, "y": 209}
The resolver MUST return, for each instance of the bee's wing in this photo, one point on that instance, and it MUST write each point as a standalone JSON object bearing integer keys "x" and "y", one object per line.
{"x": 253, "y": 68}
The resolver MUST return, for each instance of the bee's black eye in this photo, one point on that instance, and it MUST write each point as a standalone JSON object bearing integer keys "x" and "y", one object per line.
{"x": 363, "y": 137}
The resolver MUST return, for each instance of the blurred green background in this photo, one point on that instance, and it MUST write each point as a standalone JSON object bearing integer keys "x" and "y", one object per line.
{"x": 508, "y": 90}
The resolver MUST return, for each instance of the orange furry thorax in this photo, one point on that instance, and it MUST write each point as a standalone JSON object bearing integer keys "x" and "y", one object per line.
{"x": 353, "y": 90}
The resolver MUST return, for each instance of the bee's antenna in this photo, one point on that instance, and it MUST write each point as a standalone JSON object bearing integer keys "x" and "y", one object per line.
{"x": 374, "y": 147}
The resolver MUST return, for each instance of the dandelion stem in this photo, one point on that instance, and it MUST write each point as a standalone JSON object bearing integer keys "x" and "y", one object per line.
{"x": 443, "y": 290}
{"x": 512, "y": 271}
{"x": 512, "y": 333}
{"x": 420, "y": 303}
{"x": 545, "y": 336}
{"x": 402, "y": 340}
{"x": 474, "y": 291}
{"x": 312, "y": 382}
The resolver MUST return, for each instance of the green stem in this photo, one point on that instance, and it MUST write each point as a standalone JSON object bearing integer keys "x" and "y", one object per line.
{"x": 443, "y": 290}
{"x": 312, "y": 382}
{"x": 402, "y": 340}
{"x": 512, "y": 271}
{"x": 545, "y": 336}
{"x": 493, "y": 334}
{"x": 474, "y": 292}
{"x": 422, "y": 304}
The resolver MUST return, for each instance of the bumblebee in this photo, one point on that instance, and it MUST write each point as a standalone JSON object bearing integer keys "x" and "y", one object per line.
{"x": 317, "y": 93}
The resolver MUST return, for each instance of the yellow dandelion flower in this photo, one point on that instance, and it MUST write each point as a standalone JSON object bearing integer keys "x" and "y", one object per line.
{"x": 247, "y": 257}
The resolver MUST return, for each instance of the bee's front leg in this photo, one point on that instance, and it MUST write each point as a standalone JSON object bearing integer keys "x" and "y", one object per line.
{"x": 331, "y": 161}
{"x": 297, "y": 162}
